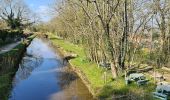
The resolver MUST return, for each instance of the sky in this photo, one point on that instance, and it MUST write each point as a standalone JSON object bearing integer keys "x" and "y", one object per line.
{"x": 41, "y": 8}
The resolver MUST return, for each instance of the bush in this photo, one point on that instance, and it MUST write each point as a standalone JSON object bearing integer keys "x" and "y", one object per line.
{"x": 4, "y": 34}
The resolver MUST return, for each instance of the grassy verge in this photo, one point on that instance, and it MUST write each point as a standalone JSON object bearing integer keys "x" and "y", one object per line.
{"x": 9, "y": 62}
{"x": 95, "y": 76}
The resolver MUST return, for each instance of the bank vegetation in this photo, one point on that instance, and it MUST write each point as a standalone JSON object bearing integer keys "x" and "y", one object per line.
{"x": 123, "y": 34}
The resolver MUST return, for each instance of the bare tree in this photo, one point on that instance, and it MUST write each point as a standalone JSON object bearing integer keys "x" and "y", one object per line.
{"x": 15, "y": 14}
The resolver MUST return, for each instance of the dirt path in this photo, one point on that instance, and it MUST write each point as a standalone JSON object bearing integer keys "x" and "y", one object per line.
{"x": 8, "y": 47}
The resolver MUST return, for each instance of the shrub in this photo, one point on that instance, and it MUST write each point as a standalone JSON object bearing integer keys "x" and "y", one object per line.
{"x": 4, "y": 34}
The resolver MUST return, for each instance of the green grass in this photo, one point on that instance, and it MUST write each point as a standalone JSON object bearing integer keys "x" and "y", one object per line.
{"x": 118, "y": 88}
{"x": 95, "y": 75}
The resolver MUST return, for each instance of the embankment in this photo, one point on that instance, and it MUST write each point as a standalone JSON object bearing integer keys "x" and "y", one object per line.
{"x": 100, "y": 85}
{"x": 89, "y": 72}
{"x": 9, "y": 63}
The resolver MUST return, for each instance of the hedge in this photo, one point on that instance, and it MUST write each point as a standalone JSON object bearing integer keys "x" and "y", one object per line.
{"x": 4, "y": 34}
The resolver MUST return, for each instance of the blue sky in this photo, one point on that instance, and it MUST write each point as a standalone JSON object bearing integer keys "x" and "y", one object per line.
{"x": 41, "y": 8}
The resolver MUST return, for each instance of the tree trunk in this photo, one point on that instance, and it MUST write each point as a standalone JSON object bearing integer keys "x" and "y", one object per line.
{"x": 114, "y": 70}
{"x": 123, "y": 48}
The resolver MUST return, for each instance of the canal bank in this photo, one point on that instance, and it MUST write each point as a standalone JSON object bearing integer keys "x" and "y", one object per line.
{"x": 9, "y": 62}
{"x": 90, "y": 74}
{"x": 93, "y": 75}
{"x": 42, "y": 75}
{"x": 80, "y": 74}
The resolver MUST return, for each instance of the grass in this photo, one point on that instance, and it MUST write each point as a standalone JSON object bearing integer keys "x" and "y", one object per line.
{"x": 119, "y": 88}
{"x": 95, "y": 75}
{"x": 8, "y": 66}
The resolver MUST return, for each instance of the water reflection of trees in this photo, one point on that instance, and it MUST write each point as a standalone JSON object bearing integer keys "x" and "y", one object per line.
{"x": 27, "y": 65}
{"x": 66, "y": 77}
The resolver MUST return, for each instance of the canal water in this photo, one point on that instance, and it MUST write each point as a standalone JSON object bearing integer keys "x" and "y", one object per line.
{"x": 42, "y": 75}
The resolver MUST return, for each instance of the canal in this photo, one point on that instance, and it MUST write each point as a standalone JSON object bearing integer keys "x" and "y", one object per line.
{"x": 42, "y": 75}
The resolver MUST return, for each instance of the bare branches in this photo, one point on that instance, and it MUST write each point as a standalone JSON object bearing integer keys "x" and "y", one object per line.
{"x": 14, "y": 13}
{"x": 109, "y": 27}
